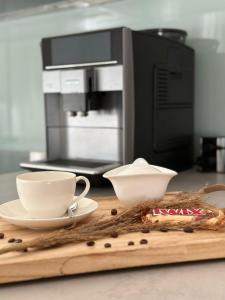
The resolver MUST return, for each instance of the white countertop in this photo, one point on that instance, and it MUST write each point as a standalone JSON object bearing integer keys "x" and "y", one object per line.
{"x": 199, "y": 280}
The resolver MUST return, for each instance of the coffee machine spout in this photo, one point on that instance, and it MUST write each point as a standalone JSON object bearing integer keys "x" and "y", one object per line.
{"x": 77, "y": 91}
{"x": 75, "y": 104}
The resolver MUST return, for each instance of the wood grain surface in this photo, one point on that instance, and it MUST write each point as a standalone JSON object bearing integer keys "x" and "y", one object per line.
{"x": 162, "y": 248}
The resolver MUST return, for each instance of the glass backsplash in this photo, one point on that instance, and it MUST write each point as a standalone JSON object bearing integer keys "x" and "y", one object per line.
{"x": 21, "y": 99}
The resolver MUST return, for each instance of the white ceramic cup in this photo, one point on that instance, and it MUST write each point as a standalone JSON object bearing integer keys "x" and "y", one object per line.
{"x": 48, "y": 194}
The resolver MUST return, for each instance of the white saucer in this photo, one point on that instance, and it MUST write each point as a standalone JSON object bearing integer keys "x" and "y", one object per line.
{"x": 14, "y": 213}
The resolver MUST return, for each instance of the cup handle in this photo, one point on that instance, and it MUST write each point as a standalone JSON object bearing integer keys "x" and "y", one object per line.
{"x": 73, "y": 206}
{"x": 87, "y": 187}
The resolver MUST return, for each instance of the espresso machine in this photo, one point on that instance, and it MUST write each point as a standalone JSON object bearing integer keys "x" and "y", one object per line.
{"x": 112, "y": 96}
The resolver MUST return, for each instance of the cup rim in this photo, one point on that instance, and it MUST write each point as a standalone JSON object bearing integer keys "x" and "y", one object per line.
{"x": 30, "y": 176}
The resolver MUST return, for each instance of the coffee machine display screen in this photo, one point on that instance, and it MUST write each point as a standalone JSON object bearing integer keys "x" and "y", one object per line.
{"x": 92, "y": 47}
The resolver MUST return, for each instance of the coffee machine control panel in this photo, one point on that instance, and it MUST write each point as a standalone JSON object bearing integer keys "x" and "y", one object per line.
{"x": 81, "y": 81}
{"x": 74, "y": 81}
{"x": 51, "y": 82}
{"x": 109, "y": 78}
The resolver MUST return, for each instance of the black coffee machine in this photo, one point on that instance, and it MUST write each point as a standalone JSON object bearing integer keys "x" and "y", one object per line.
{"x": 114, "y": 95}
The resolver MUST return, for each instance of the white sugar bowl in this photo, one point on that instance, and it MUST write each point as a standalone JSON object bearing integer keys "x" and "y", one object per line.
{"x": 139, "y": 181}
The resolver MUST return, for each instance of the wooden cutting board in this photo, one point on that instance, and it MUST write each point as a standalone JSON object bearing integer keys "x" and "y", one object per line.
{"x": 162, "y": 248}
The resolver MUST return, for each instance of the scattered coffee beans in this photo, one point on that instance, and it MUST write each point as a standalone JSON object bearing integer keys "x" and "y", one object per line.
{"x": 2, "y": 235}
{"x": 163, "y": 229}
{"x": 90, "y": 243}
{"x": 113, "y": 212}
{"x": 143, "y": 241}
{"x": 12, "y": 240}
{"x": 114, "y": 234}
{"x": 145, "y": 230}
{"x": 107, "y": 245}
{"x": 188, "y": 229}
{"x": 130, "y": 243}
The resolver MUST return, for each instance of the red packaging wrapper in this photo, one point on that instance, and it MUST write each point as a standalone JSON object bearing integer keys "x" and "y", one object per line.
{"x": 183, "y": 215}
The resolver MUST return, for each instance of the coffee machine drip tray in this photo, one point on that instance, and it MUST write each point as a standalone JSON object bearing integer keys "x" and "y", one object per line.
{"x": 74, "y": 166}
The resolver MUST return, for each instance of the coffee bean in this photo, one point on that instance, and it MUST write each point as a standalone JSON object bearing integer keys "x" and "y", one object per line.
{"x": 107, "y": 245}
{"x": 90, "y": 243}
{"x": 163, "y": 229}
{"x": 2, "y": 235}
{"x": 114, "y": 234}
{"x": 130, "y": 243}
{"x": 188, "y": 229}
{"x": 18, "y": 241}
{"x": 12, "y": 240}
{"x": 145, "y": 230}
{"x": 143, "y": 241}
{"x": 113, "y": 212}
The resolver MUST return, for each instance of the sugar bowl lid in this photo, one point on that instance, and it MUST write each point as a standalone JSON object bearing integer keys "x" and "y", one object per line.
{"x": 139, "y": 167}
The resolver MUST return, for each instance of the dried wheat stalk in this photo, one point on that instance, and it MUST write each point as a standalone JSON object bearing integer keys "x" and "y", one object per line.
{"x": 127, "y": 221}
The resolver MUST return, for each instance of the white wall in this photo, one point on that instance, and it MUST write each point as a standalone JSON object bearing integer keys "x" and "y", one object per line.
{"x": 21, "y": 101}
